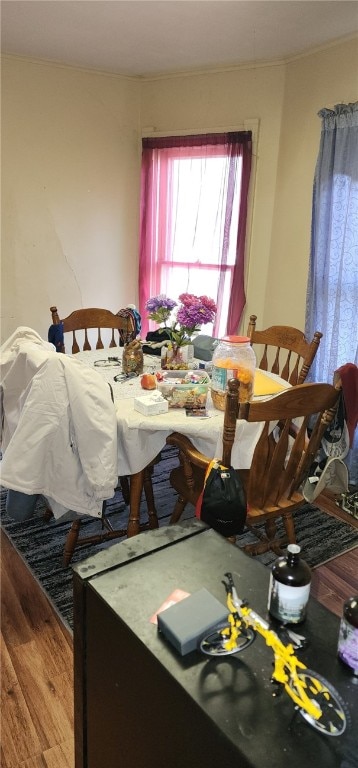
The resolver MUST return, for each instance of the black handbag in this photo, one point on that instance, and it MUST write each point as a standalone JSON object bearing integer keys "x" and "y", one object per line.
{"x": 222, "y": 503}
{"x": 155, "y": 342}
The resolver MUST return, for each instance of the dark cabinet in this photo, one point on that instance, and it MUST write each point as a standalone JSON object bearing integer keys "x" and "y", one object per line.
{"x": 138, "y": 704}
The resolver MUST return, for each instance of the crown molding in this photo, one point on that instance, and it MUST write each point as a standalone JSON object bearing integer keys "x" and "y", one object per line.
{"x": 200, "y": 72}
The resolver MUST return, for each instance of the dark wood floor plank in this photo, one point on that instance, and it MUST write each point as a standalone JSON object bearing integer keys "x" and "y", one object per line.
{"x": 60, "y": 756}
{"x": 31, "y": 614}
{"x": 334, "y": 582}
{"x": 19, "y": 738}
{"x": 37, "y": 655}
{"x": 44, "y": 694}
{"x": 14, "y": 625}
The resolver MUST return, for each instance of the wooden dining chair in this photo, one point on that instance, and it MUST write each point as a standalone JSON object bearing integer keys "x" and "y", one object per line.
{"x": 108, "y": 532}
{"x": 281, "y": 460}
{"x": 286, "y": 351}
{"x": 82, "y": 320}
{"x": 99, "y": 319}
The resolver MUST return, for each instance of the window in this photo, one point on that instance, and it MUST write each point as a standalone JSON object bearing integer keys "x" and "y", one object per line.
{"x": 193, "y": 221}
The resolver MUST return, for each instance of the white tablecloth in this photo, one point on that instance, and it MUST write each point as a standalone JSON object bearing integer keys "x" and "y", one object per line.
{"x": 141, "y": 438}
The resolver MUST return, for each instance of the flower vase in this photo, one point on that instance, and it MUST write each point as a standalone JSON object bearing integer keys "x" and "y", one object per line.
{"x": 174, "y": 357}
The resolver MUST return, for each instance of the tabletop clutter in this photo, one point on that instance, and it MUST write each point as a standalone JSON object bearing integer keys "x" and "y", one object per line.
{"x": 188, "y": 389}
{"x": 173, "y": 390}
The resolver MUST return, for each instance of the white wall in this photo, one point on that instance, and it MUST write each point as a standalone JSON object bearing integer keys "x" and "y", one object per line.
{"x": 71, "y": 175}
{"x": 70, "y": 194}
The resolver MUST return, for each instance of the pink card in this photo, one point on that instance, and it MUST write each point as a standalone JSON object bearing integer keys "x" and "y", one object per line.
{"x": 175, "y": 597}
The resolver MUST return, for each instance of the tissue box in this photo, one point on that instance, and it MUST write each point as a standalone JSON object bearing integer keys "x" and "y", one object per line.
{"x": 151, "y": 405}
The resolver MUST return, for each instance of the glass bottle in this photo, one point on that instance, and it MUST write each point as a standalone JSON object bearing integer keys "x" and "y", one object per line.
{"x": 233, "y": 358}
{"x": 289, "y": 589}
{"x": 348, "y": 635}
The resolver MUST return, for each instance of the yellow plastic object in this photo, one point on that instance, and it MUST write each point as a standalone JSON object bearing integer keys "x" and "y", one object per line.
{"x": 264, "y": 385}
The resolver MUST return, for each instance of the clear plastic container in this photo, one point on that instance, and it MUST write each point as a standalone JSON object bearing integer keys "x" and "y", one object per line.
{"x": 233, "y": 358}
{"x": 188, "y": 391}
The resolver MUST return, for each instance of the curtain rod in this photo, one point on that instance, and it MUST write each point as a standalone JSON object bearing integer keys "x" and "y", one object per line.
{"x": 148, "y": 131}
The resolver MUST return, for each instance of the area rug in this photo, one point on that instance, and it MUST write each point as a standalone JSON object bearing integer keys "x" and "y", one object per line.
{"x": 41, "y": 544}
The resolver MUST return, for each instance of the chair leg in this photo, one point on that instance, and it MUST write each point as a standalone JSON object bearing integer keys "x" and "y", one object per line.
{"x": 178, "y": 510}
{"x": 270, "y": 528}
{"x": 261, "y": 545}
{"x": 124, "y": 483}
{"x": 71, "y": 541}
{"x": 136, "y": 487}
{"x": 268, "y": 540}
{"x": 138, "y": 482}
{"x": 148, "y": 491}
{"x": 289, "y": 527}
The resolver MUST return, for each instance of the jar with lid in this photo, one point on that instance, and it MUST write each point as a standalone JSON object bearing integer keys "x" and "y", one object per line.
{"x": 233, "y": 358}
{"x": 132, "y": 358}
{"x": 289, "y": 589}
{"x": 348, "y": 635}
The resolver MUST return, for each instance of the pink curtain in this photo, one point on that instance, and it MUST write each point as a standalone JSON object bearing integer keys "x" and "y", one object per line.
{"x": 162, "y": 226}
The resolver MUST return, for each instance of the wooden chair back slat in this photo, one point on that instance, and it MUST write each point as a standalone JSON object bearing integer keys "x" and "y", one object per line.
{"x": 295, "y": 459}
{"x": 275, "y": 367}
{"x": 75, "y": 347}
{"x": 264, "y": 363}
{"x": 99, "y": 343}
{"x": 274, "y": 475}
{"x": 294, "y": 452}
{"x": 286, "y": 351}
{"x": 263, "y": 454}
{"x": 86, "y": 345}
{"x": 286, "y": 368}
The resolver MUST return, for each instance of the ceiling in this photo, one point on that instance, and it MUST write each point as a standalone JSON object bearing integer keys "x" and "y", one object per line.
{"x": 152, "y": 37}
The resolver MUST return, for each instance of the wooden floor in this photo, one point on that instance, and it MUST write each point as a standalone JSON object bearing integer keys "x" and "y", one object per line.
{"x": 37, "y": 657}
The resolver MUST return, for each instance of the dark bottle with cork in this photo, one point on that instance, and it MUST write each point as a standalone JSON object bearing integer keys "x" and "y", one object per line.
{"x": 289, "y": 589}
{"x": 348, "y": 635}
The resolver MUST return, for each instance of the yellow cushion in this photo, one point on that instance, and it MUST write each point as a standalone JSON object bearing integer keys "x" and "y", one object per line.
{"x": 264, "y": 385}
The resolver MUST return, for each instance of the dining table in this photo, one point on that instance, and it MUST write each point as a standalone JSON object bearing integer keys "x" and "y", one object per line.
{"x": 141, "y": 437}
